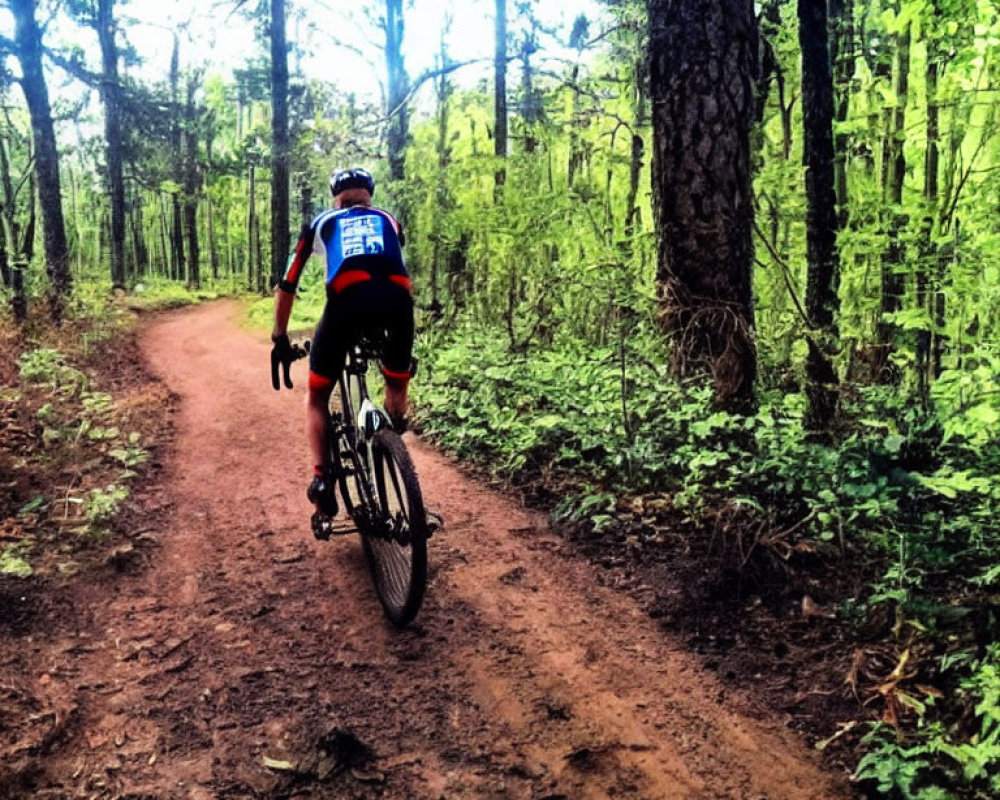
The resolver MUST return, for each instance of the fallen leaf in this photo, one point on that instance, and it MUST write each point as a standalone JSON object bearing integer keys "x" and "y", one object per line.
{"x": 276, "y": 764}
{"x": 810, "y": 608}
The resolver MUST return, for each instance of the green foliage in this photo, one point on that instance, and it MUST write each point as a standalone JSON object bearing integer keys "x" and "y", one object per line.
{"x": 12, "y": 562}
{"x": 939, "y": 757}
{"x": 48, "y": 366}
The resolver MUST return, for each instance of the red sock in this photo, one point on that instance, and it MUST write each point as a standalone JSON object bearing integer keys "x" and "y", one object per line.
{"x": 320, "y": 470}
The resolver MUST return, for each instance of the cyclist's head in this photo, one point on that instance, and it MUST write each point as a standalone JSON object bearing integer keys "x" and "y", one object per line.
{"x": 352, "y": 186}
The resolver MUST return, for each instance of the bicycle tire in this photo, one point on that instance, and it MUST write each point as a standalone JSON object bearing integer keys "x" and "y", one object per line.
{"x": 398, "y": 562}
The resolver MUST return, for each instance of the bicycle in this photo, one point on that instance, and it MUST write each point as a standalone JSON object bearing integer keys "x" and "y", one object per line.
{"x": 379, "y": 485}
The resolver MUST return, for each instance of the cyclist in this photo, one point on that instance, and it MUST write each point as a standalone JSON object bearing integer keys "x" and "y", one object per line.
{"x": 367, "y": 289}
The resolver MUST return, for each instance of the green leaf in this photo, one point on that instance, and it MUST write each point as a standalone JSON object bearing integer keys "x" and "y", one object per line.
{"x": 32, "y": 505}
{"x": 893, "y": 442}
{"x": 14, "y": 565}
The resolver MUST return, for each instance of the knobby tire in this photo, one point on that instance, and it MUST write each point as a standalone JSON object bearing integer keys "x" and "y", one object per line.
{"x": 398, "y": 564}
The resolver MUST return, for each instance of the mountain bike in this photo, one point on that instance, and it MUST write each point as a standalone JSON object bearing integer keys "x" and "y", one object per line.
{"x": 378, "y": 483}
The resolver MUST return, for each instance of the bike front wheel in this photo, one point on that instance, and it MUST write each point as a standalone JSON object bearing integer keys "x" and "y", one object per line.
{"x": 396, "y": 545}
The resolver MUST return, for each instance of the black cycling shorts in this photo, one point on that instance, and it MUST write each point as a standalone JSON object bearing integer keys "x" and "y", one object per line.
{"x": 369, "y": 307}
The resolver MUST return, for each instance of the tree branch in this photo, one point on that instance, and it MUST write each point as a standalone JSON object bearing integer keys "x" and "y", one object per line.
{"x": 74, "y": 68}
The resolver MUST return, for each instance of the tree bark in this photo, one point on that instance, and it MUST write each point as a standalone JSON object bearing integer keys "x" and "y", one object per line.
{"x": 823, "y": 277}
{"x": 179, "y": 270}
{"x": 500, "y": 93}
{"x": 280, "y": 234}
{"x": 892, "y": 279}
{"x": 192, "y": 185}
{"x": 110, "y": 97}
{"x": 29, "y": 52}
{"x": 703, "y": 62}
{"x": 397, "y": 90}
{"x": 842, "y": 60}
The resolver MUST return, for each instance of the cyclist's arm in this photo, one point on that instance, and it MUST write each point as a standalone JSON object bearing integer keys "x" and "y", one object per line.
{"x": 284, "y": 295}
{"x": 282, "y": 311}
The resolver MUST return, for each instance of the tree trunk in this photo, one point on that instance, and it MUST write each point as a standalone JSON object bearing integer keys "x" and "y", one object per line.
{"x": 29, "y": 52}
{"x": 703, "y": 60}
{"x": 640, "y": 119}
{"x": 213, "y": 246}
{"x": 822, "y": 302}
{"x": 110, "y": 90}
{"x": 192, "y": 185}
{"x": 928, "y": 340}
{"x": 280, "y": 235}
{"x": 842, "y": 60}
{"x": 397, "y": 90}
{"x": 179, "y": 271}
{"x": 166, "y": 269}
{"x": 443, "y": 193}
{"x": 253, "y": 280}
{"x": 500, "y": 93}
{"x": 893, "y": 281}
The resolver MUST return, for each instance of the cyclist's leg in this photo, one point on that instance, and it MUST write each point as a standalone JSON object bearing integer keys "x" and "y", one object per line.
{"x": 398, "y": 353}
{"x": 326, "y": 360}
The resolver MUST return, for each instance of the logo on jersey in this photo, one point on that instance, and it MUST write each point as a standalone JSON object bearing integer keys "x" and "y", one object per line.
{"x": 361, "y": 236}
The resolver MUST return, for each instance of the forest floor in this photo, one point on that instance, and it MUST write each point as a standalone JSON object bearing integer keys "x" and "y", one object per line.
{"x": 213, "y": 649}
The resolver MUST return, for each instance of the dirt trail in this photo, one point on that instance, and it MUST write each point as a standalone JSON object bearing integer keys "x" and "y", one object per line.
{"x": 243, "y": 639}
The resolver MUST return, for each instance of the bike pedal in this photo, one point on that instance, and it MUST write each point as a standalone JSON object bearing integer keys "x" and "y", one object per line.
{"x": 323, "y": 527}
{"x": 342, "y": 528}
{"x": 434, "y": 522}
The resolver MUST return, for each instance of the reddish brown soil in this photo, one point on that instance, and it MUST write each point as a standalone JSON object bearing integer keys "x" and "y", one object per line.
{"x": 239, "y": 658}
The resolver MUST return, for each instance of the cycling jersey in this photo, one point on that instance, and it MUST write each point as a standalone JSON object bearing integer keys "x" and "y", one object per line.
{"x": 359, "y": 243}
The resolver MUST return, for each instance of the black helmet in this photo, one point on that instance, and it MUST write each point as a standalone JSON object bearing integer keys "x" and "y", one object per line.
{"x": 354, "y": 178}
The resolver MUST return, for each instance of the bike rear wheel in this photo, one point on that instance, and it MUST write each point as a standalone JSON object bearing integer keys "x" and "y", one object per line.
{"x": 396, "y": 547}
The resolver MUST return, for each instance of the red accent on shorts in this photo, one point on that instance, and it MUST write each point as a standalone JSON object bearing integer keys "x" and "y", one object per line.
{"x": 349, "y": 278}
{"x": 397, "y": 380}
{"x": 317, "y": 381}
{"x": 402, "y": 280}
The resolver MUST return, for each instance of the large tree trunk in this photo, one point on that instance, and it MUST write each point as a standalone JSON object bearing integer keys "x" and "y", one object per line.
{"x": 280, "y": 235}
{"x": 36, "y": 94}
{"x": 703, "y": 60}
{"x": 110, "y": 97}
{"x": 399, "y": 86}
{"x": 822, "y": 302}
{"x": 500, "y": 93}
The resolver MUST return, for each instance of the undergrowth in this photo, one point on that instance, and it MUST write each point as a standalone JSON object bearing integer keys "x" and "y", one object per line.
{"x": 600, "y": 436}
{"x": 75, "y": 439}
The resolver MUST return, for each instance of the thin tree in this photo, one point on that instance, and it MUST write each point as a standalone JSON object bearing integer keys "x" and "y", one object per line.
{"x": 500, "y": 93}
{"x": 823, "y": 276}
{"x": 111, "y": 98}
{"x": 192, "y": 182}
{"x": 280, "y": 235}
{"x": 703, "y": 63}
{"x": 398, "y": 88}
{"x": 894, "y": 171}
{"x": 177, "y": 164}
{"x": 27, "y": 46}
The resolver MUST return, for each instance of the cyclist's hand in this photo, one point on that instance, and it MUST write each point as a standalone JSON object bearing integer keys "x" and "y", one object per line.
{"x": 283, "y": 354}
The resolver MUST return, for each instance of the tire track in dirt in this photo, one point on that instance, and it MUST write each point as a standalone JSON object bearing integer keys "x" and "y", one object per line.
{"x": 243, "y": 639}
